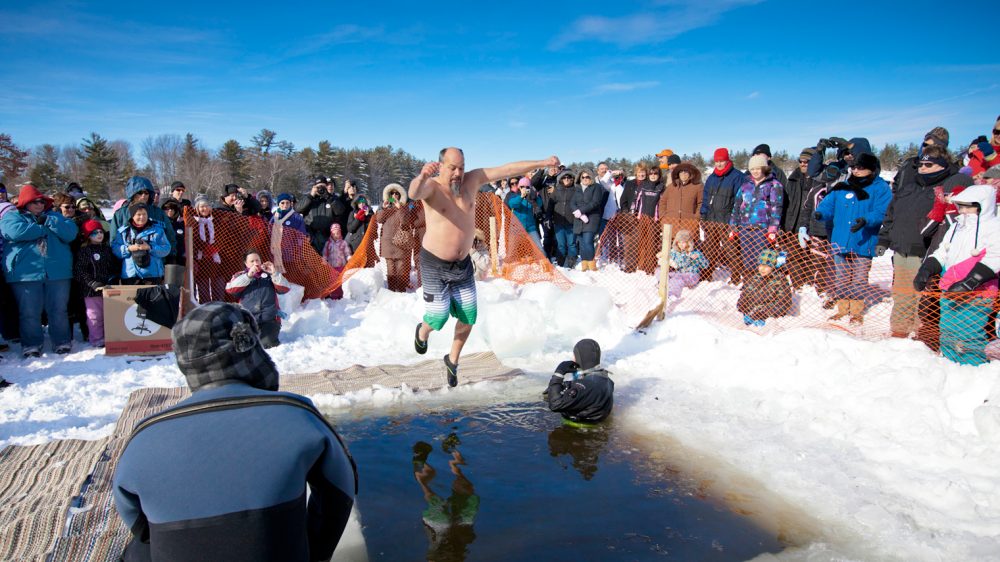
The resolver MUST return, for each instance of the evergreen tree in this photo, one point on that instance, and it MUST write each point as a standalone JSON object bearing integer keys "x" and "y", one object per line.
{"x": 264, "y": 140}
{"x": 195, "y": 167}
{"x": 234, "y": 158}
{"x": 45, "y": 174}
{"x": 325, "y": 162}
{"x": 102, "y": 169}
{"x": 890, "y": 156}
{"x": 13, "y": 160}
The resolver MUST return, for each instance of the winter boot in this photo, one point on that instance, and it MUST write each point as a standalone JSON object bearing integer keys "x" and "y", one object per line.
{"x": 857, "y": 308}
{"x": 843, "y": 309}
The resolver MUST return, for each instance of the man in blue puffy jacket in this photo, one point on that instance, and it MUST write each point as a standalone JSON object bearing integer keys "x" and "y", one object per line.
{"x": 223, "y": 474}
{"x": 140, "y": 190}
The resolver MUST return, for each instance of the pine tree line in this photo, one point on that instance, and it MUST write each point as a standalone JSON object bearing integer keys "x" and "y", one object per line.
{"x": 266, "y": 162}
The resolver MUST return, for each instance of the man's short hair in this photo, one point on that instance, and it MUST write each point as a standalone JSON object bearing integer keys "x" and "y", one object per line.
{"x": 445, "y": 149}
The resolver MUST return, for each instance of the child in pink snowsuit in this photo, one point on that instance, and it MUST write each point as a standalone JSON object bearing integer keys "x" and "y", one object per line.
{"x": 336, "y": 252}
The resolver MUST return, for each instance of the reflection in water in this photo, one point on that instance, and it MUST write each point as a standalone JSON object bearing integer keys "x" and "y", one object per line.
{"x": 583, "y": 444}
{"x": 447, "y": 522}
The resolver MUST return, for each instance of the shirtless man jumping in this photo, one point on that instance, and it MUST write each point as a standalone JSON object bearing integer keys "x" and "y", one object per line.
{"x": 445, "y": 266}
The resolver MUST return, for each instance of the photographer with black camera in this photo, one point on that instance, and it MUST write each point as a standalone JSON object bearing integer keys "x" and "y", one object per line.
{"x": 235, "y": 199}
{"x": 839, "y": 170}
{"x": 320, "y": 209}
{"x": 582, "y": 390}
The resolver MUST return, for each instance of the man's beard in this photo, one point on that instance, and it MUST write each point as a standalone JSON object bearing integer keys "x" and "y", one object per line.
{"x": 456, "y": 188}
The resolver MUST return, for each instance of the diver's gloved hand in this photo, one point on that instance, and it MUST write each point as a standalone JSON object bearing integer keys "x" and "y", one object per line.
{"x": 566, "y": 367}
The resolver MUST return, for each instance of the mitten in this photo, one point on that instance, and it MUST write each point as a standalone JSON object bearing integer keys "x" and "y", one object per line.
{"x": 818, "y": 216}
{"x": 217, "y": 258}
{"x": 360, "y": 215}
{"x": 772, "y": 234}
{"x": 733, "y": 234}
{"x": 585, "y": 219}
{"x": 40, "y": 219}
{"x": 859, "y": 223}
{"x": 576, "y": 213}
{"x": 987, "y": 149}
{"x": 803, "y": 237}
{"x": 928, "y": 269}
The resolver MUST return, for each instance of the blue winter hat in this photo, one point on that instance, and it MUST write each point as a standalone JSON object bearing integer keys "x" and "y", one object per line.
{"x": 283, "y": 197}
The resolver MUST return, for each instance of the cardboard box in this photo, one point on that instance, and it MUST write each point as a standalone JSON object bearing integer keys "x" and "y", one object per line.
{"x": 126, "y": 330}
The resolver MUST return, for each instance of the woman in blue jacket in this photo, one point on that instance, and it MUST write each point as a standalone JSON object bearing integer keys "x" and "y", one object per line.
{"x": 524, "y": 203}
{"x": 141, "y": 244}
{"x": 39, "y": 267}
{"x": 856, "y": 209}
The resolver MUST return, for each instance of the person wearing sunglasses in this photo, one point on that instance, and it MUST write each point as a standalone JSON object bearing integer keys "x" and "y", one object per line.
{"x": 908, "y": 231}
{"x": 559, "y": 208}
{"x": 38, "y": 265}
{"x": 587, "y": 204}
{"x": 984, "y": 154}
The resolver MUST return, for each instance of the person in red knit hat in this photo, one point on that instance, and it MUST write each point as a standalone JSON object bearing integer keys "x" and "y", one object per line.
{"x": 716, "y": 209}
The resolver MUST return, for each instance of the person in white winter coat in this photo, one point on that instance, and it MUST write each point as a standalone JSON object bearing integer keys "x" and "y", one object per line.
{"x": 968, "y": 260}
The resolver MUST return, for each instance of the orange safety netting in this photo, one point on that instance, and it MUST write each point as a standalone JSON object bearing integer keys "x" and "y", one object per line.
{"x": 216, "y": 250}
{"x": 812, "y": 287}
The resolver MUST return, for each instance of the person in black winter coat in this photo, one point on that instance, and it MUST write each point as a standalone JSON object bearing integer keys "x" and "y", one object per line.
{"x": 587, "y": 205}
{"x": 581, "y": 390}
{"x": 317, "y": 208}
{"x": 545, "y": 181}
{"x": 174, "y": 211}
{"x": 558, "y": 209}
{"x": 795, "y": 221}
{"x": 909, "y": 232}
{"x": 94, "y": 267}
{"x": 716, "y": 209}
{"x": 357, "y": 225}
{"x": 223, "y": 475}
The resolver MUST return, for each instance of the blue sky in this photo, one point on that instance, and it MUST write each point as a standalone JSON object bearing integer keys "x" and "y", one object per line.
{"x": 504, "y": 80}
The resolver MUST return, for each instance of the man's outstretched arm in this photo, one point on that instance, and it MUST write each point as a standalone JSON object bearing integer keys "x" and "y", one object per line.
{"x": 511, "y": 169}
{"x": 420, "y": 186}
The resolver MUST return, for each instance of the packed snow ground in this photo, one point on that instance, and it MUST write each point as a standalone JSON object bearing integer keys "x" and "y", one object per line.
{"x": 890, "y": 450}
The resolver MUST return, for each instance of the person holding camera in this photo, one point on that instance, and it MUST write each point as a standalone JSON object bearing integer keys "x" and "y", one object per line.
{"x": 237, "y": 200}
{"x": 38, "y": 266}
{"x": 317, "y": 208}
{"x": 839, "y": 170}
{"x": 581, "y": 390}
{"x": 141, "y": 245}
{"x": 526, "y": 204}
{"x": 257, "y": 287}
{"x": 139, "y": 189}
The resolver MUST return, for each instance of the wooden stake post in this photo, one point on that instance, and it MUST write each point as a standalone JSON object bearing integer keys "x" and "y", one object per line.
{"x": 668, "y": 231}
{"x": 493, "y": 246}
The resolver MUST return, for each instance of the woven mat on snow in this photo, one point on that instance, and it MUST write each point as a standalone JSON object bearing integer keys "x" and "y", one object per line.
{"x": 37, "y": 484}
{"x": 425, "y": 375}
{"x": 96, "y": 533}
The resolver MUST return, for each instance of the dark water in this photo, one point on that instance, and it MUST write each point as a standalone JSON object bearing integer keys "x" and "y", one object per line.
{"x": 511, "y": 482}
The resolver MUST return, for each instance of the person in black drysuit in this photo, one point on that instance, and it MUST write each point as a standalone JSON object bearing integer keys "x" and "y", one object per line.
{"x": 227, "y": 481}
{"x": 581, "y": 390}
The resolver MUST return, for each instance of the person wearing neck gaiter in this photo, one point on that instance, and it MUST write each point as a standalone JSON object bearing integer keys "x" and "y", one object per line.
{"x": 856, "y": 209}
{"x": 908, "y": 231}
{"x": 716, "y": 209}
